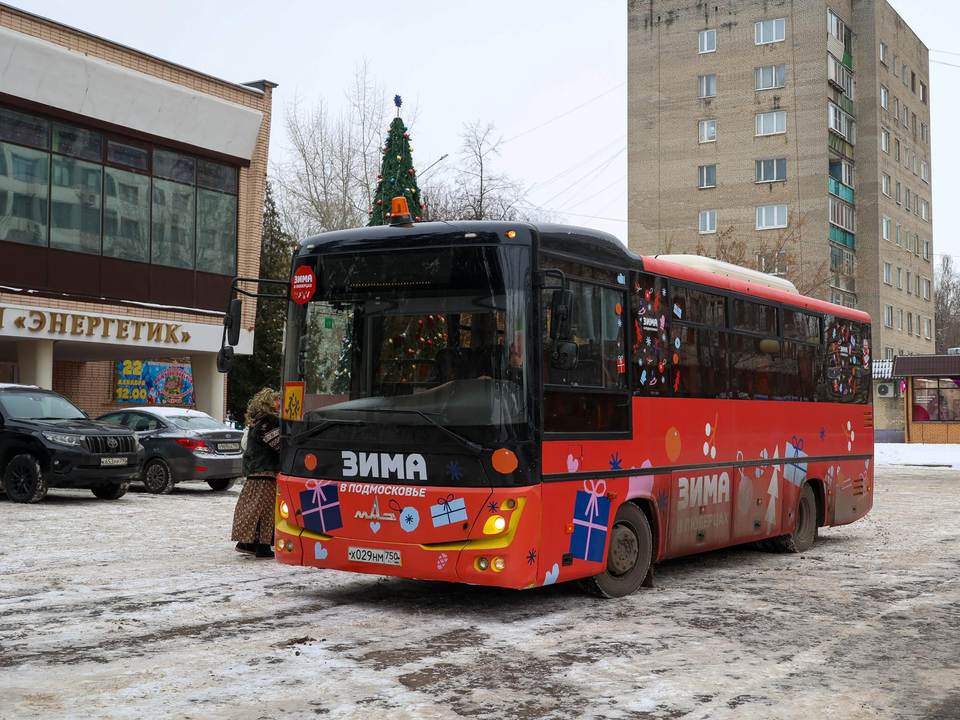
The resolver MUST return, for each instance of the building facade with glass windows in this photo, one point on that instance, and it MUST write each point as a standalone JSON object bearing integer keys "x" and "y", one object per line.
{"x": 131, "y": 193}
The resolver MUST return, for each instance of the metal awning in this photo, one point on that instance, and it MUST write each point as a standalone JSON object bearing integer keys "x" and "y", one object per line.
{"x": 926, "y": 366}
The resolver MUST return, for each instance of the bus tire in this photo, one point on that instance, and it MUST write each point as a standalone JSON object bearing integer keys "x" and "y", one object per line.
{"x": 806, "y": 531}
{"x": 629, "y": 554}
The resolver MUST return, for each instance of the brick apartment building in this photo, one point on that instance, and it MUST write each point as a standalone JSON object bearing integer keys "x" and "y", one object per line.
{"x": 131, "y": 192}
{"x": 800, "y": 131}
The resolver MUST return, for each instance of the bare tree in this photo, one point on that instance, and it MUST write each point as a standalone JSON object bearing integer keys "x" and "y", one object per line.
{"x": 946, "y": 305}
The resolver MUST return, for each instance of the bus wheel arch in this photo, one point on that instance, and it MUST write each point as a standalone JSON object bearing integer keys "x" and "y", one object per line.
{"x": 630, "y": 553}
{"x": 821, "y": 498}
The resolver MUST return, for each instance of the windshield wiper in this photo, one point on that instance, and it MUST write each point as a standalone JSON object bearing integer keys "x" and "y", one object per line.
{"x": 317, "y": 429}
{"x": 470, "y": 444}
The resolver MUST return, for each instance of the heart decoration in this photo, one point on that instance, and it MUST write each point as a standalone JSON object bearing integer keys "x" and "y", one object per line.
{"x": 375, "y": 526}
{"x": 319, "y": 552}
{"x": 551, "y": 577}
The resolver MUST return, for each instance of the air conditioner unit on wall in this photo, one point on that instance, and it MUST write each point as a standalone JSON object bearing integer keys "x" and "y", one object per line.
{"x": 886, "y": 389}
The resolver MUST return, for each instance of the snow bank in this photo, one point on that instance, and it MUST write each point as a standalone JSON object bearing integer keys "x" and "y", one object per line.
{"x": 917, "y": 454}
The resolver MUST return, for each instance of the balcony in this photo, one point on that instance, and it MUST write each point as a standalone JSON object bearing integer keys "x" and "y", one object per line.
{"x": 840, "y": 190}
{"x": 842, "y": 237}
{"x": 841, "y": 146}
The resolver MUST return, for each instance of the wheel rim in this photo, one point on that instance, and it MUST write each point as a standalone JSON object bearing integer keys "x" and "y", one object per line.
{"x": 21, "y": 481}
{"x": 156, "y": 477}
{"x": 624, "y": 549}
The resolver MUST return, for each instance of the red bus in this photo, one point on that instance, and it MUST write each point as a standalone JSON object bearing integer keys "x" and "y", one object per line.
{"x": 519, "y": 405}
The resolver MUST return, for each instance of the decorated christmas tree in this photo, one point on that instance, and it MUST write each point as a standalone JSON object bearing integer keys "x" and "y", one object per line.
{"x": 398, "y": 176}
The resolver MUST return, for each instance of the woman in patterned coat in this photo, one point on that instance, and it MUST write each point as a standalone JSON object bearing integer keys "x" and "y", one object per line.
{"x": 253, "y": 519}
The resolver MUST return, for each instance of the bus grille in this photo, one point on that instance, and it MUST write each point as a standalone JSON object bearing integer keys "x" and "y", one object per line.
{"x": 109, "y": 444}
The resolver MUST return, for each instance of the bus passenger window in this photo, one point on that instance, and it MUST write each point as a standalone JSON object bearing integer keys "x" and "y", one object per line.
{"x": 756, "y": 368}
{"x": 754, "y": 317}
{"x": 648, "y": 323}
{"x": 802, "y": 372}
{"x": 801, "y": 326}
{"x": 847, "y": 360}
{"x": 696, "y": 306}
{"x": 701, "y": 366}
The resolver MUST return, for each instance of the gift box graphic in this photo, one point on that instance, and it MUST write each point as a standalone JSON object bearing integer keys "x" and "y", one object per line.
{"x": 448, "y": 510}
{"x": 320, "y": 506}
{"x": 591, "y": 515}
{"x": 796, "y": 471}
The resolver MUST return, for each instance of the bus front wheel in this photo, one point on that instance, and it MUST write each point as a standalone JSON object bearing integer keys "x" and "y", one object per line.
{"x": 805, "y": 533}
{"x": 629, "y": 553}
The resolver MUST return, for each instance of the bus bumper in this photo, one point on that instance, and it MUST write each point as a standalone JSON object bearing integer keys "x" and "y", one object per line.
{"x": 474, "y": 561}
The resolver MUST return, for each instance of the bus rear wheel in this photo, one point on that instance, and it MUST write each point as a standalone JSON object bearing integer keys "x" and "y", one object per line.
{"x": 629, "y": 555}
{"x": 806, "y": 531}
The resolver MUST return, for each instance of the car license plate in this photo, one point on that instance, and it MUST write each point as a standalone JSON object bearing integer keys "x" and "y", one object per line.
{"x": 109, "y": 461}
{"x": 375, "y": 556}
{"x": 223, "y": 447}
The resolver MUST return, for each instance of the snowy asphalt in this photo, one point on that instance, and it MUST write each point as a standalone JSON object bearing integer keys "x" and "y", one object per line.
{"x": 140, "y": 608}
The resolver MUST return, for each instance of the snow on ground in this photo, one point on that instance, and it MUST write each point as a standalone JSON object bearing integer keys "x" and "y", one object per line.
{"x": 140, "y": 608}
{"x": 920, "y": 454}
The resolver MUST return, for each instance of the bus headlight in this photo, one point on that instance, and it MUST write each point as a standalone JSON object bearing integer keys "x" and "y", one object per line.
{"x": 494, "y": 524}
{"x": 284, "y": 509}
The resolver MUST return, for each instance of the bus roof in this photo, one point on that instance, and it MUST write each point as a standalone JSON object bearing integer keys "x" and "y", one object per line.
{"x": 692, "y": 274}
{"x": 592, "y": 245}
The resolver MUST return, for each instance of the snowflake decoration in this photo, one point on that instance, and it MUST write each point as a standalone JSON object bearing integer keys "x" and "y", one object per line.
{"x": 532, "y": 556}
{"x": 619, "y": 322}
{"x": 662, "y": 501}
{"x": 615, "y": 461}
{"x": 408, "y": 519}
{"x": 823, "y": 433}
{"x": 493, "y": 506}
{"x": 454, "y": 471}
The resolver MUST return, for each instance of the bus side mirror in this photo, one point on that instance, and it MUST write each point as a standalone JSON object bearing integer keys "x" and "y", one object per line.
{"x": 564, "y": 356}
{"x": 232, "y": 322}
{"x": 560, "y": 315}
{"x": 225, "y": 359}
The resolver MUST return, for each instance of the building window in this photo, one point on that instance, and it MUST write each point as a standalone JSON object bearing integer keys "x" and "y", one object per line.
{"x": 897, "y": 193}
{"x": 885, "y": 140}
{"x": 927, "y": 328}
{"x": 839, "y": 75}
{"x": 906, "y": 199}
{"x": 909, "y": 323}
{"x": 885, "y": 184}
{"x": 708, "y": 176}
{"x": 923, "y": 171}
{"x": 770, "y": 217}
{"x": 888, "y": 353}
{"x": 916, "y": 281}
{"x": 884, "y": 96}
{"x": 913, "y": 81}
{"x": 708, "y": 86}
{"x": 770, "y": 76}
{"x": 909, "y": 284}
{"x": 708, "y": 41}
{"x": 923, "y": 92}
{"x": 708, "y": 131}
{"x": 888, "y": 315}
{"x": 772, "y": 170}
{"x": 886, "y": 273}
{"x": 899, "y": 321}
{"x": 926, "y": 289}
{"x": 900, "y": 278}
{"x": 896, "y": 149}
{"x": 906, "y": 116}
{"x": 771, "y": 123}
{"x": 841, "y": 214}
{"x": 708, "y": 222}
{"x": 923, "y": 131}
{"x": 924, "y": 210}
{"x": 836, "y": 26}
{"x": 24, "y": 219}
{"x": 839, "y": 122}
{"x": 896, "y": 65}
{"x": 896, "y": 110}
{"x": 906, "y": 157}
{"x": 914, "y": 163}
{"x": 770, "y": 31}
{"x": 904, "y": 74}
{"x": 926, "y": 250}
{"x": 916, "y": 244}
{"x": 885, "y": 228}
{"x": 883, "y": 53}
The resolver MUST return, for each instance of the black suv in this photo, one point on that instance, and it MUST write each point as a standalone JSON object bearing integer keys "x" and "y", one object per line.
{"x": 45, "y": 441}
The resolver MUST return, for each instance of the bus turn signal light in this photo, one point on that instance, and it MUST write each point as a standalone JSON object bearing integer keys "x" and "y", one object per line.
{"x": 498, "y": 564}
{"x": 494, "y": 524}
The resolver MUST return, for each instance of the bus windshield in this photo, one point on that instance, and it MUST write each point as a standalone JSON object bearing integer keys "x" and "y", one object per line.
{"x": 416, "y": 337}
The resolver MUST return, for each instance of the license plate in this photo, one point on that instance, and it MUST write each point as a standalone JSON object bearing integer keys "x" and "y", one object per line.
{"x": 228, "y": 446}
{"x": 106, "y": 462}
{"x": 375, "y": 556}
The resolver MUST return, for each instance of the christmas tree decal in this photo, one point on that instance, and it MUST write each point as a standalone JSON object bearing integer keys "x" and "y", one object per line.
{"x": 773, "y": 490}
{"x": 398, "y": 176}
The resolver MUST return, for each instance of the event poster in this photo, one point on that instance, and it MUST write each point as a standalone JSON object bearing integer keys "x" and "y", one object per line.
{"x": 154, "y": 382}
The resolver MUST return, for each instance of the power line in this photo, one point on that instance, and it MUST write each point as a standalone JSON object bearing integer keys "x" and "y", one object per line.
{"x": 564, "y": 114}
{"x": 944, "y": 52}
{"x": 941, "y": 62}
{"x": 575, "y": 166}
{"x": 531, "y": 206}
{"x": 622, "y": 177}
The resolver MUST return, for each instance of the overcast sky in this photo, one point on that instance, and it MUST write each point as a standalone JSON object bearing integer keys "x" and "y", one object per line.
{"x": 515, "y": 63}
